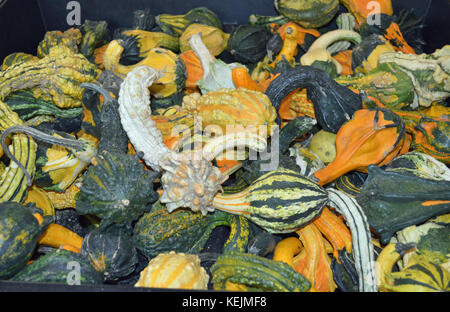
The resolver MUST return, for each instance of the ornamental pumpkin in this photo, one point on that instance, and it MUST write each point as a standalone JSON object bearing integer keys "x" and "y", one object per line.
{"x": 70, "y": 38}
{"x": 247, "y": 43}
{"x": 361, "y": 9}
{"x": 62, "y": 267}
{"x": 110, "y": 251}
{"x": 255, "y": 273}
{"x": 370, "y": 137}
{"x": 56, "y": 77}
{"x": 160, "y": 59}
{"x": 174, "y": 270}
{"x": 214, "y": 38}
{"x": 175, "y": 24}
{"x": 308, "y": 13}
{"x": 20, "y": 231}
{"x": 238, "y": 107}
{"x": 159, "y": 231}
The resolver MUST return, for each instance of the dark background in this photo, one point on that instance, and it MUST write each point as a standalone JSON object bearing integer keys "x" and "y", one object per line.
{"x": 23, "y": 23}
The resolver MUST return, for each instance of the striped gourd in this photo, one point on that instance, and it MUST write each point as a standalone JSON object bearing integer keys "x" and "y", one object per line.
{"x": 13, "y": 184}
{"x": 231, "y": 107}
{"x": 256, "y": 273}
{"x": 280, "y": 201}
{"x": 174, "y": 270}
{"x": 27, "y": 107}
{"x": 344, "y": 21}
{"x": 420, "y": 275}
{"x": 362, "y": 247}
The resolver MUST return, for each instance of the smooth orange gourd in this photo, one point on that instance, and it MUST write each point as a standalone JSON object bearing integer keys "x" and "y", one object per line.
{"x": 345, "y": 59}
{"x": 335, "y": 231}
{"x": 313, "y": 261}
{"x": 193, "y": 67}
{"x": 371, "y": 137}
{"x": 242, "y": 79}
{"x": 56, "y": 235}
{"x": 286, "y": 249}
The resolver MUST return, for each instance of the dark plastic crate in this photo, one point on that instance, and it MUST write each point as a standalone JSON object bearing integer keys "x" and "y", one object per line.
{"x": 23, "y": 24}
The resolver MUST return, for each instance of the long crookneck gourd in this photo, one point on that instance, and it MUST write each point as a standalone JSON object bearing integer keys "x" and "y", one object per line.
{"x": 189, "y": 179}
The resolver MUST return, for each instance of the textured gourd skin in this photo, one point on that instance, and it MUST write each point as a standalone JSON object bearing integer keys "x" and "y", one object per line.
{"x": 56, "y": 77}
{"x": 174, "y": 270}
{"x": 333, "y": 104}
{"x": 56, "y": 266}
{"x": 280, "y": 201}
{"x": 393, "y": 201}
{"x": 214, "y": 38}
{"x": 70, "y": 38}
{"x": 256, "y": 273}
{"x": 365, "y": 54}
{"x": 110, "y": 251}
{"x": 182, "y": 230}
{"x": 231, "y": 107}
{"x": 20, "y": 231}
{"x": 308, "y": 13}
{"x": 17, "y": 58}
{"x": 247, "y": 43}
{"x": 116, "y": 189}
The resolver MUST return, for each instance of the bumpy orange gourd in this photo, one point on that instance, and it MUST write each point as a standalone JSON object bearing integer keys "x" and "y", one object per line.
{"x": 231, "y": 107}
{"x": 371, "y": 137}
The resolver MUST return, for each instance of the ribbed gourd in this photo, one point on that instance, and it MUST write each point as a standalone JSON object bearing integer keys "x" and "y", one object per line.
{"x": 175, "y": 271}
{"x": 214, "y": 38}
{"x": 160, "y": 59}
{"x": 62, "y": 267}
{"x": 255, "y": 273}
{"x": 236, "y": 107}
{"x": 20, "y": 232}
{"x": 247, "y": 43}
{"x": 280, "y": 201}
{"x": 308, "y": 13}
{"x": 159, "y": 231}
{"x": 56, "y": 77}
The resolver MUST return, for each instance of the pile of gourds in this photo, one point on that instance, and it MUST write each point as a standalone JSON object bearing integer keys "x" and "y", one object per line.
{"x": 315, "y": 142}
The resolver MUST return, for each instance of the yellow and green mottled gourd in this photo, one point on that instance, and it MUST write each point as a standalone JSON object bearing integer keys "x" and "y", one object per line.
{"x": 56, "y": 77}
{"x": 13, "y": 183}
{"x": 256, "y": 273}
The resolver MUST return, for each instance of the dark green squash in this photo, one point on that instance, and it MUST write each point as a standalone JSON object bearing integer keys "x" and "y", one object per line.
{"x": 27, "y": 107}
{"x": 20, "y": 231}
{"x": 256, "y": 273}
{"x": 334, "y": 104}
{"x": 344, "y": 272}
{"x": 111, "y": 252}
{"x": 117, "y": 189}
{"x": 266, "y": 20}
{"x": 308, "y": 13}
{"x": 351, "y": 183}
{"x": 60, "y": 266}
{"x": 95, "y": 34}
{"x": 392, "y": 200}
{"x": 143, "y": 20}
{"x": 182, "y": 230}
{"x": 247, "y": 43}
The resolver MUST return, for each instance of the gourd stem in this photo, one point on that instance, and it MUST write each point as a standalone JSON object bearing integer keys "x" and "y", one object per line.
{"x": 232, "y": 203}
{"x": 202, "y": 53}
{"x": 96, "y": 87}
{"x": 38, "y": 135}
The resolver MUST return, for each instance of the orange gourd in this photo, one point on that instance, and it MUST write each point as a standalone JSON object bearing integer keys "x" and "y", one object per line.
{"x": 361, "y": 9}
{"x": 335, "y": 231}
{"x": 193, "y": 67}
{"x": 394, "y": 35}
{"x": 286, "y": 249}
{"x": 56, "y": 235}
{"x": 345, "y": 59}
{"x": 242, "y": 79}
{"x": 371, "y": 137}
{"x": 313, "y": 261}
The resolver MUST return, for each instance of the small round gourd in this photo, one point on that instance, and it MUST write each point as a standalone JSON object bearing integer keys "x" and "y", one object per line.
{"x": 174, "y": 270}
{"x": 323, "y": 144}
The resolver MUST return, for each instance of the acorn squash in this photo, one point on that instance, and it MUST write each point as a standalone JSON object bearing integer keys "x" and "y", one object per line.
{"x": 308, "y": 13}
{"x": 20, "y": 231}
{"x": 247, "y": 43}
